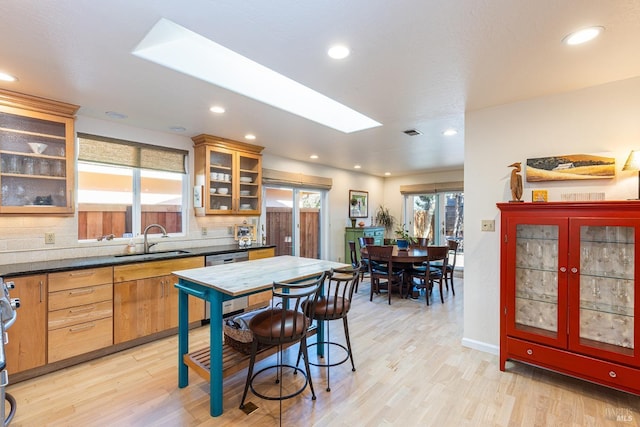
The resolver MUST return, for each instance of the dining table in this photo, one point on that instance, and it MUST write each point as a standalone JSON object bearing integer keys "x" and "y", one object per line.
{"x": 405, "y": 258}
{"x": 220, "y": 283}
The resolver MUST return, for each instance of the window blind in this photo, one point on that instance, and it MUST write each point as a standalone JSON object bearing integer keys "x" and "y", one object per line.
{"x": 298, "y": 180}
{"x": 111, "y": 151}
{"x": 436, "y": 187}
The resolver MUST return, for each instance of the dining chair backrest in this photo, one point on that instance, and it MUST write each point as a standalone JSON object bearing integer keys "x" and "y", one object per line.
{"x": 453, "y": 252}
{"x": 437, "y": 258}
{"x": 381, "y": 269}
{"x": 354, "y": 254}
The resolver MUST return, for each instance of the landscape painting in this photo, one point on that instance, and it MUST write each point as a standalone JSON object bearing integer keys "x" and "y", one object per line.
{"x": 572, "y": 166}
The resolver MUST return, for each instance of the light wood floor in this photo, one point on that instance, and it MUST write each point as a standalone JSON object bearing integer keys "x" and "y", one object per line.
{"x": 411, "y": 371}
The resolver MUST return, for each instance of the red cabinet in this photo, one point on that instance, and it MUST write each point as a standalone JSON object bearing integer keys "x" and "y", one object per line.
{"x": 568, "y": 292}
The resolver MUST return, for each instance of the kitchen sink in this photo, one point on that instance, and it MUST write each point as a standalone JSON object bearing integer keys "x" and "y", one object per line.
{"x": 153, "y": 255}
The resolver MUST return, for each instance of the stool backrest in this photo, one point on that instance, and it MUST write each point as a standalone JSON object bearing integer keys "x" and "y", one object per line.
{"x": 335, "y": 301}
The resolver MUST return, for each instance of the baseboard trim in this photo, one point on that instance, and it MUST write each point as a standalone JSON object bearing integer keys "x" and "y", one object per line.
{"x": 482, "y": 346}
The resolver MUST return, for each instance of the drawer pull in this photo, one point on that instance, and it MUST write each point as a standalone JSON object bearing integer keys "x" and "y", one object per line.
{"x": 81, "y": 328}
{"x": 81, "y": 273}
{"x": 82, "y": 291}
{"x": 82, "y": 309}
{"x": 529, "y": 352}
{"x": 612, "y": 374}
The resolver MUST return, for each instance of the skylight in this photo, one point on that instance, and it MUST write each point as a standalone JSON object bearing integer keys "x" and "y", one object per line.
{"x": 180, "y": 49}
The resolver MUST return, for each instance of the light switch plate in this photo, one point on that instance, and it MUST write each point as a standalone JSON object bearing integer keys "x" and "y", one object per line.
{"x": 488, "y": 225}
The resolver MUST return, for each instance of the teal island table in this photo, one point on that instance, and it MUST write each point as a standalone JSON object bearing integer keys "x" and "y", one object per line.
{"x": 220, "y": 283}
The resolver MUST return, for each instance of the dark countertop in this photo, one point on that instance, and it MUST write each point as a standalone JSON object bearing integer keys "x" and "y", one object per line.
{"x": 40, "y": 267}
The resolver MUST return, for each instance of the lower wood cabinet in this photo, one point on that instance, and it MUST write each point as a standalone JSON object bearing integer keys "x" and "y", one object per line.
{"x": 27, "y": 346}
{"x": 145, "y": 299}
{"x": 80, "y": 312}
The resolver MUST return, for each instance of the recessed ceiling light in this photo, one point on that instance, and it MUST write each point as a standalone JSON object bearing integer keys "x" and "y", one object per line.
{"x": 217, "y": 109}
{"x": 178, "y": 128}
{"x": 338, "y": 51}
{"x": 387, "y": 173}
{"x": 6, "y": 77}
{"x": 313, "y": 156}
{"x": 357, "y": 167}
{"x": 582, "y": 36}
{"x": 116, "y": 115}
{"x": 182, "y": 50}
{"x": 450, "y": 132}
{"x": 250, "y": 136}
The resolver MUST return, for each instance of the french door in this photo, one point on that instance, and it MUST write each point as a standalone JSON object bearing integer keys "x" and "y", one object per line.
{"x": 292, "y": 220}
{"x": 436, "y": 216}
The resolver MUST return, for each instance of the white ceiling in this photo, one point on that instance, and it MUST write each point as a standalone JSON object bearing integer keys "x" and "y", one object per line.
{"x": 414, "y": 64}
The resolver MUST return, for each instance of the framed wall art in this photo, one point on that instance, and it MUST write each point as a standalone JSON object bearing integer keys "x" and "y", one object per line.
{"x": 569, "y": 167}
{"x": 358, "y": 204}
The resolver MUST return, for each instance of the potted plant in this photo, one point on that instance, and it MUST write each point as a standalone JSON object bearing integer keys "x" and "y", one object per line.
{"x": 384, "y": 218}
{"x": 403, "y": 239}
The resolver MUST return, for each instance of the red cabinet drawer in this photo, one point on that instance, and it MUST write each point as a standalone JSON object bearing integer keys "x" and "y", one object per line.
{"x": 611, "y": 374}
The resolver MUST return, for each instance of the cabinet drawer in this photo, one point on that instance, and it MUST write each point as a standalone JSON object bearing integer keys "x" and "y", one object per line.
{"x": 80, "y": 314}
{"x": 78, "y": 339}
{"x": 577, "y": 365}
{"x": 80, "y": 278}
{"x": 80, "y": 296}
{"x": 143, "y": 270}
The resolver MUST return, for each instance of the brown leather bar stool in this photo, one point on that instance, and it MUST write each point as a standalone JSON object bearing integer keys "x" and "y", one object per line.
{"x": 284, "y": 323}
{"x": 334, "y": 303}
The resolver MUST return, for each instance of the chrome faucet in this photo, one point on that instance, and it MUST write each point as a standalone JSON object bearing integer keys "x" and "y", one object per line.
{"x": 148, "y": 245}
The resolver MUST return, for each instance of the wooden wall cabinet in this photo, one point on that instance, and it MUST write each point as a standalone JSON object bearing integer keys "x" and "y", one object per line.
{"x": 27, "y": 346}
{"x": 31, "y": 181}
{"x": 568, "y": 291}
{"x": 145, "y": 299}
{"x": 80, "y": 312}
{"x": 352, "y": 234}
{"x": 230, "y": 175}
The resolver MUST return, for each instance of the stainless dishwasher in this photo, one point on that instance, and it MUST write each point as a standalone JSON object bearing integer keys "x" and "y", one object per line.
{"x": 236, "y": 304}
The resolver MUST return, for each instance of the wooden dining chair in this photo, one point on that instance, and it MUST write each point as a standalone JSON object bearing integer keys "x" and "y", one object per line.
{"x": 381, "y": 271}
{"x": 432, "y": 270}
{"x": 451, "y": 264}
{"x": 361, "y": 265}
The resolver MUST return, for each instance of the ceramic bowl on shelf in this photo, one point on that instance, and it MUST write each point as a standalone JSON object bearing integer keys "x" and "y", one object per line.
{"x": 223, "y": 190}
{"x": 245, "y": 206}
{"x": 224, "y": 208}
{"x": 38, "y": 147}
{"x": 246, "y": 179}
{"x": 212, "y": 190}
{"x": 245, "y": 192}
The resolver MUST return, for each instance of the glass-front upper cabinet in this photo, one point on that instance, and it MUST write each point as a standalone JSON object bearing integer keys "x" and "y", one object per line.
{"x": 602, "y": 288}
{"x": 36, "y": 155}
{"x": 230, "y": 175}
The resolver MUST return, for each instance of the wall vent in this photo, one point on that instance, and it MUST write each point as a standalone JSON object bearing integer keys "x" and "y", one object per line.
{"x": 412, "y": 132}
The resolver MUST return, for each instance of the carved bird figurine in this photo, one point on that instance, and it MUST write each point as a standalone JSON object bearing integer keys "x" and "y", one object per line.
{"x": 516, "y": 182}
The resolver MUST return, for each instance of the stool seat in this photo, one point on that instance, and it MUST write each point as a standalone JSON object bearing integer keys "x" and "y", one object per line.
{"x": 279, "y": 326}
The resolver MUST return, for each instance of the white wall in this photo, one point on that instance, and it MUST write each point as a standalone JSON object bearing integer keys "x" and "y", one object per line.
{"x": 602, "y": 119}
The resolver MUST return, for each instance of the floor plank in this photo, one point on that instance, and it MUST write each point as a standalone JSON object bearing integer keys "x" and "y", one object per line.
{"x": 411, "y": 371}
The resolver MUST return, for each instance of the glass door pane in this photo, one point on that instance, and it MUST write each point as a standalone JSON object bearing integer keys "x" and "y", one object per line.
{"x": 607, "y": 264}
{"x": 279, "y": 219}
{"x": 310, "y": 203}
{"x": 536, "y": 279}
{"x": 425, "y": 216}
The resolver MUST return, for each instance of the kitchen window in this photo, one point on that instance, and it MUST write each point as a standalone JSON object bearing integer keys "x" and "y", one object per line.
{"x": 124, "y": 186}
